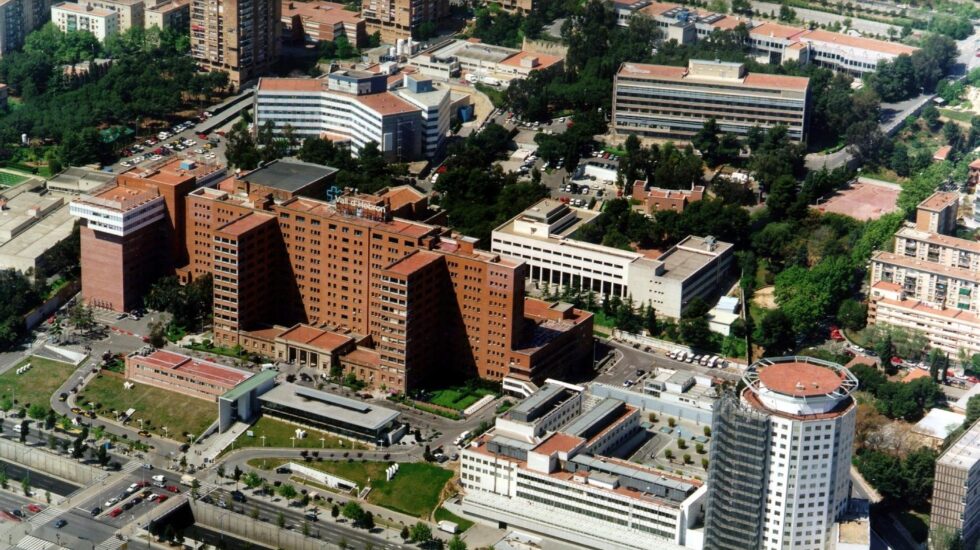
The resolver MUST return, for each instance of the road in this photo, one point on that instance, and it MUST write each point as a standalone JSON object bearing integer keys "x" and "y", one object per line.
{"x": 628, "y": 359}
{"x": 324, "y": 527}
{"x": 864, "y": 26}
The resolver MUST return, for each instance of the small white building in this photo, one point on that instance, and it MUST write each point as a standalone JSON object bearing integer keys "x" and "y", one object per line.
{"x": 723, "y": 315}
{"x": 71, "y": 17}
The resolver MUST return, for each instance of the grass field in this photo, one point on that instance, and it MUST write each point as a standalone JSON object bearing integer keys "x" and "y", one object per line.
{"x": 445, "y": 515}
{"x": 277, "y": 434}
{"x": 9, "y": 180}
{"x": 37, "y": 384}
{"x": 962, "y": 116}
{"x": 457, "y": 398}
{"x": 414, "y": 491}
{"x": 157, "y": 408}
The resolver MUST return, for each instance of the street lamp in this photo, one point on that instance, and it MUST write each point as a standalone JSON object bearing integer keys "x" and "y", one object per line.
{"x": 262, "y": 437}
{"x": 323, "y": 443}
{"x": 293, "y": 439}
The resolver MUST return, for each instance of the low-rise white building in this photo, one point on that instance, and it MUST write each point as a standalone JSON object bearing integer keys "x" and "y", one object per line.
{"x": 563, "y": 485}
{"x": 543, "y": 236}
{"x": 70, "y": 17}
{"x": 453, "y": 58}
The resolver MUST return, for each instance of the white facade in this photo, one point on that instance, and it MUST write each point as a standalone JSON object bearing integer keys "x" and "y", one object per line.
{"x": 542, "y": 237}
{"x": 115, "y": 218}
{"x": 71, "y": 17}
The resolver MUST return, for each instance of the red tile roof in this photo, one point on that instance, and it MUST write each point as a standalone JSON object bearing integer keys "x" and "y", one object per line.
{"x": 558, "y": 443}
{"x": 197, "y": 369}
{"x": 323, "y": 13}
{"x": 414, "y": 262}
{"x": 315, "y": 337}
{"x": 881, "y": 46}
{"x": 245, "y": 224}
{"x": 939, "y": 200}
{"x": 775, "y": 30}
{"x": 754, "y": 80}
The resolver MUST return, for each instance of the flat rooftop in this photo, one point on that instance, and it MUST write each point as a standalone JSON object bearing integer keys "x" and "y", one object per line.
{"x": 683, "y": 74}
{"x": 29, "y": 226}
{"x": 291, "y": 175}
{"x": 327, "y": 405}
{"x": 324, "y": 13}
{"x": 691, "y": 255}
{"x": 196, "y": 369}
{"x": 965, "y": 451}
{"x": 939, "y": 200}
{"x": 473, "y": 51}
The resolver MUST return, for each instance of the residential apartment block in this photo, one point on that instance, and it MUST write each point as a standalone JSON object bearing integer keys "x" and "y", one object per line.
{"x": 316, "y": 21}
{"x": 781, "y": 457}
{"x": 240, "y": 37}
{"x": 931, "y": 282}
{"x": 18, "y": 18}
{"x": 356, "y": 107}
{"x": 399, "y": 19}
{"x": 544, "y": 237}
{"x": 169, "y": 14}
{"x": 71, "y": 17}
{"x": 397, "y": 302}
{"x": 773, "y": 42}
{"x": 675, "y": 102}
{"x": 956, "y": 493}
{"x": 131, "y": 12}
{"x": 656, "y": 199}
{"x": 548, "y": 466}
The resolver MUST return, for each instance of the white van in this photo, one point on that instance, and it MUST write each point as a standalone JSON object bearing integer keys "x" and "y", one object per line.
{"x": 17, "y": 428}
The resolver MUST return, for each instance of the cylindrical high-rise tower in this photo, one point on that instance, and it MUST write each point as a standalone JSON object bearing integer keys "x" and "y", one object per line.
{"x": 781, "y": 455}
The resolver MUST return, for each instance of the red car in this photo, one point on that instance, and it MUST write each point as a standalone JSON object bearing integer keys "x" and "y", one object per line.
{"x": 34, "y": 508}
{"x": 115, "y": 512}
{"x": 173, "y": 488}
{"x": 202, "y": 135}
{"x": 161, "y": 498}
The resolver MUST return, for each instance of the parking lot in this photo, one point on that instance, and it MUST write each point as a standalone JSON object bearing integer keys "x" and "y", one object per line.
{"x": 182, "y": 138}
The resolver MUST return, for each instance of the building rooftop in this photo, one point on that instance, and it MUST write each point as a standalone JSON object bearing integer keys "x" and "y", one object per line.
{"x": 939, "y": 200}
{"x": 939, "y": 423}
{"x": 800, "y": 379}
{"x": 596, "y": 419}
{"x": 320, "y": 403}
{"x": 288, "y": 174}
{"x": 538, "y": 403}
{"x": 253, "y": 382}
{"x": 84, "y": 10}
{"x": 857, "y": 42}
{"x": 559, "y": 443}
{"x": 198, "y": 369}
{"x": 691, "y": 255}
{"x": 922, "y": 265}
{"x": 245, "y": 224}
{"x": 775, "y": 30}
{"x": 415, "y": 261}
{"x": 910, "y": 232}
{"x": 749, "y": 80}
{"x": 542, "y": 61}
{"x": 120, "y": 198}
{"x": 324, "y": 13}
{"x": 965, "y": 451}
{"x": 315, "y": 337}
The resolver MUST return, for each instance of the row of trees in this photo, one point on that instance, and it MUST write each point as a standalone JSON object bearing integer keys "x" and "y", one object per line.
{"x": 908, "y": 75}
{"x": 189, "y": 305}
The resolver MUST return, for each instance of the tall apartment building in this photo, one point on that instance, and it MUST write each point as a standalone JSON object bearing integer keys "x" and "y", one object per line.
{"x": 419, "y": 301}
{"x": 240, "y": 37}
{"x": 544, "y": 237}
{"x": 931, "y": 282}
{"x": 71, "y": 17}
{"x": 356, "y": 107}
{"x": 169, "y": 14}
{"x": 675, "y": 102}
{"x": 548, "y": 466}
{"x": 399, "y": 19}
{"x": 781, "y": 457}
{"x": 18, "y": 18}
{"x": 771, "y": 41}
{"x": 956, "y": 493}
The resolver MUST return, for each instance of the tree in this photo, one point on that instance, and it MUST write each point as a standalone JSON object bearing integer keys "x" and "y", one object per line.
{"x": 236, "y": 474}
{"x": 354, "y": 512}
{"x": 335, "y": 511}
{"x": 25, "y": 485}
{"x": 931, "y": 115}
{"x": 4, "y": 480}
{"x": 404, "y": 533}
{"x": 787, "y": 14}
{"x": 972, "y": 410}
{"x": 37, "y": 411}
{"x": 221, "y": 470}
{"x": 280, "y": 519}
{"x": 24, "y": 430}
{"x": 102, "y": 456}
{"x": 706, "y": 141}
{"x": 456, "y": 543}
{"x": 885, "y": 348}
{"x": 775, "y": 333}
{"x": 158, "y": 334}
{"x": 420, "y": 533}
{"x": 852, "y": 314}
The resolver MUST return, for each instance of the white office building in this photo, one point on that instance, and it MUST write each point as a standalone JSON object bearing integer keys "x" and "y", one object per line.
{"x": 355, "y": 108}
{"x": 790, "y": 435}
{"x": 543, "y": 236}
{"x": 562, "y": 482}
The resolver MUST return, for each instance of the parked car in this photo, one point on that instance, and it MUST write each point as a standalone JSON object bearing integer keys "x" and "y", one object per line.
{"x": 34, "y": 508}
{"x": 115, "y": 512}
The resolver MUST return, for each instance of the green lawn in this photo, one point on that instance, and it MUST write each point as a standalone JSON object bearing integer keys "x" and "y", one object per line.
{"x": 414, "y": 491}
{"x": 277, "y": 434}
{"x": 457, "y": 398}
{"x": 158, "y": 408}
{"x": 9, "y": 180}
{"x": 962, "y": 116}
{"x": 36, "y": 385}
{"x": 445, "y": 515}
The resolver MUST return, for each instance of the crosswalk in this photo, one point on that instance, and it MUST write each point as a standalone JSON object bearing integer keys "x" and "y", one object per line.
{"x": 131, "y": 466}
{"x": 30, "y": 542}
{"x": 45, "y": 516}
{"x": 111, "y": 543}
